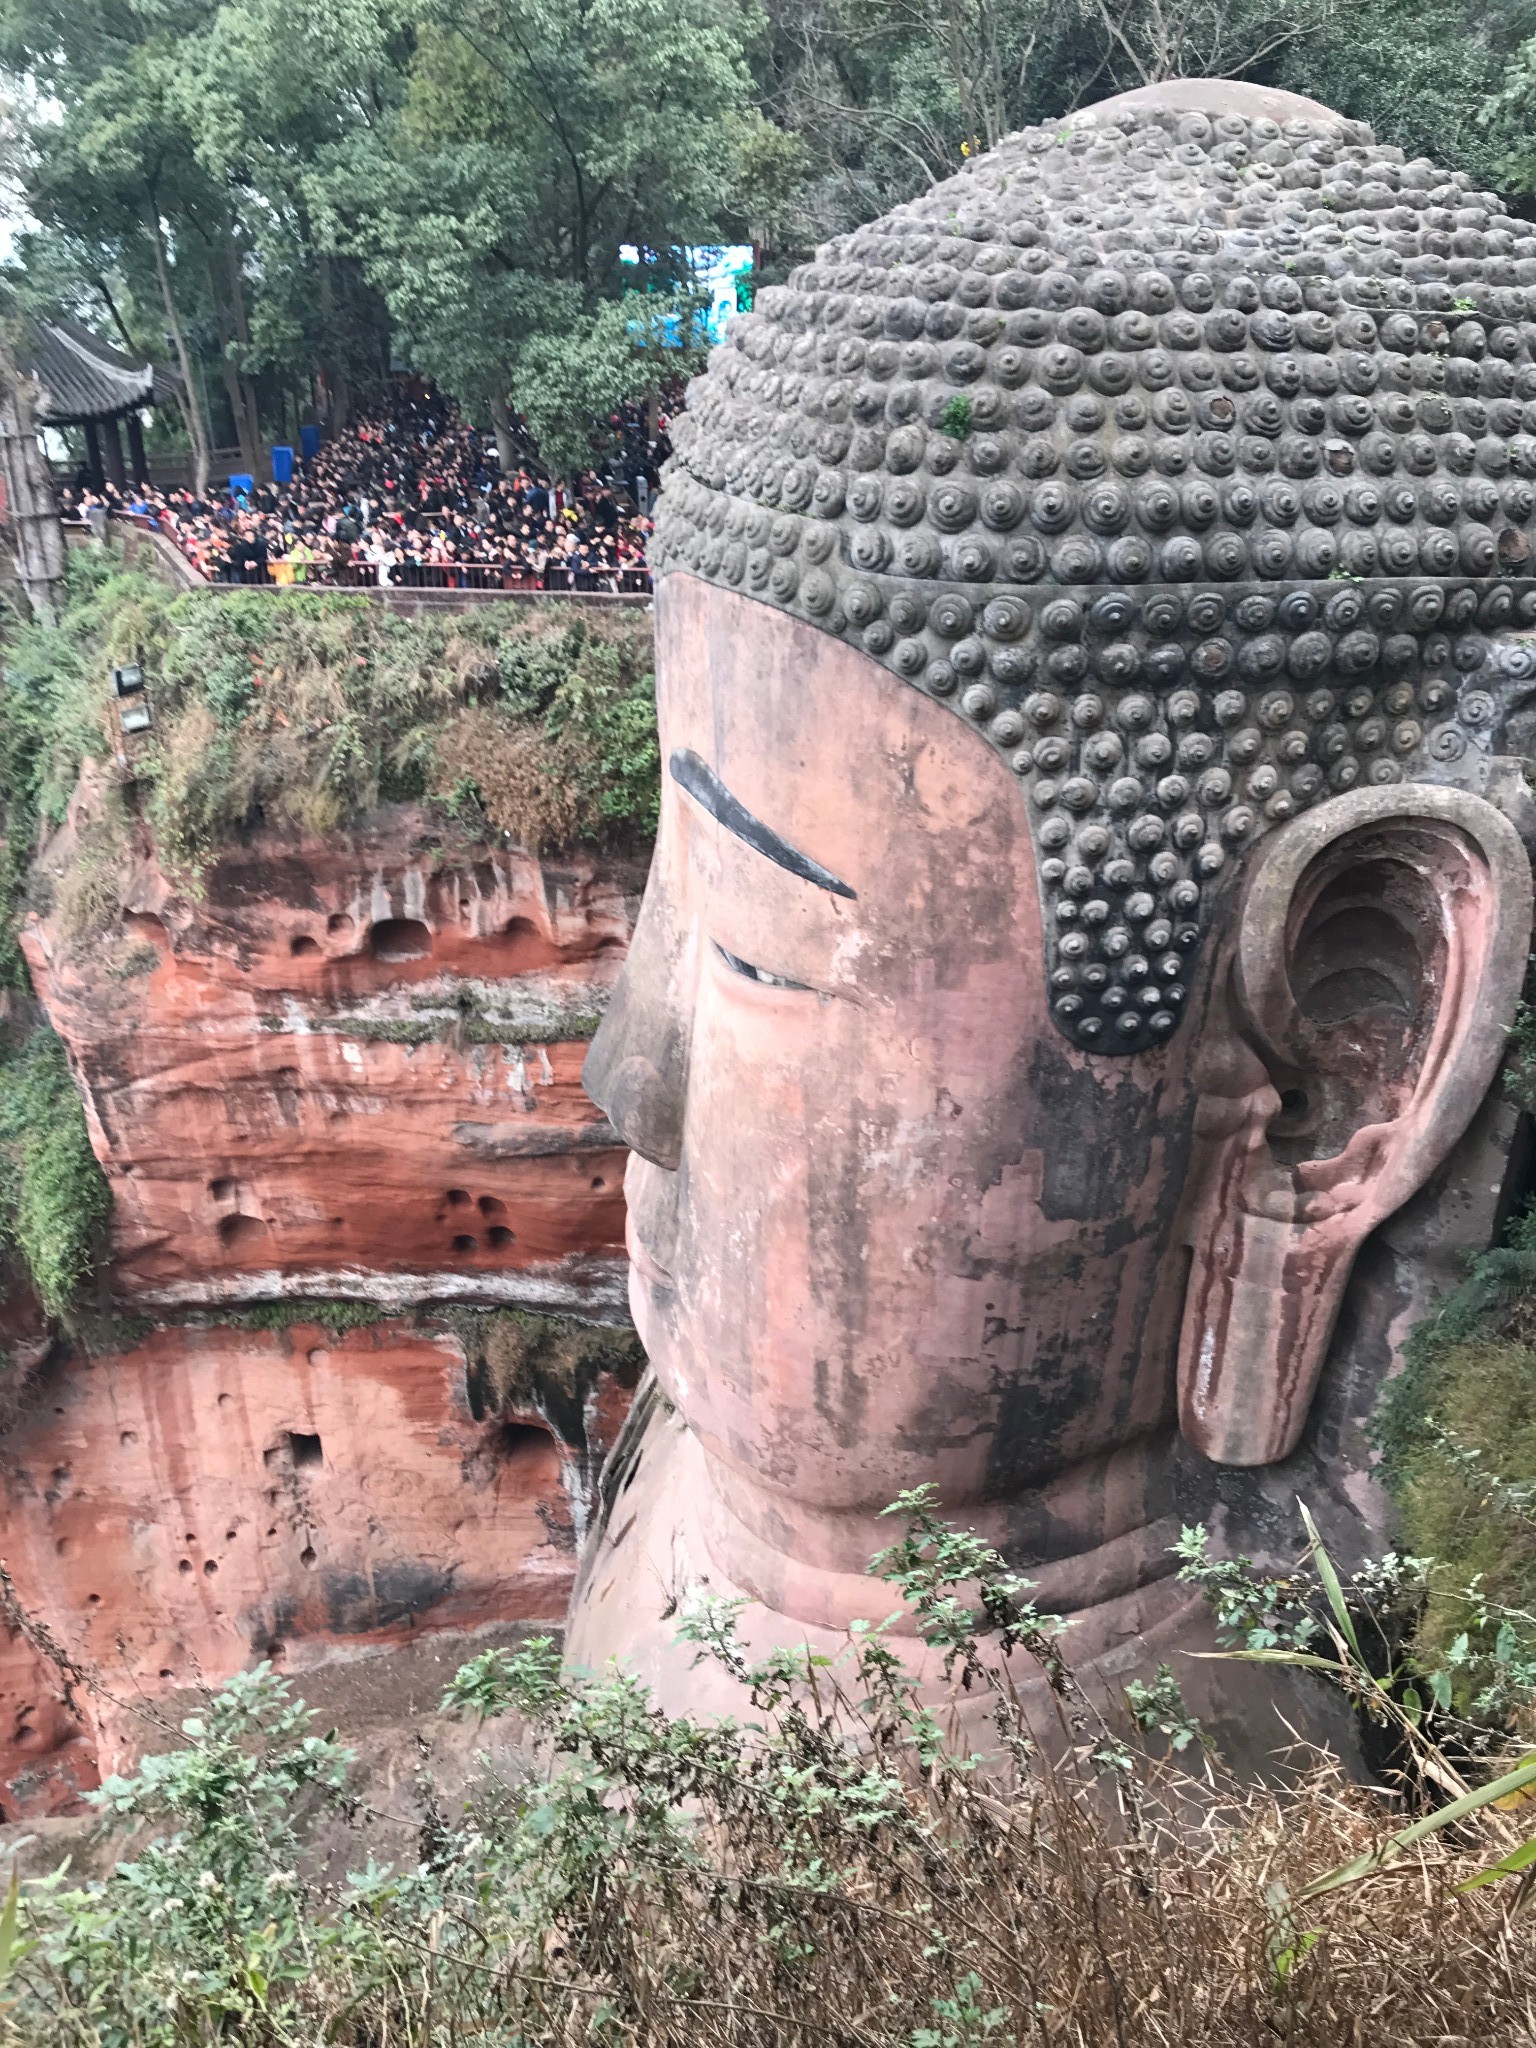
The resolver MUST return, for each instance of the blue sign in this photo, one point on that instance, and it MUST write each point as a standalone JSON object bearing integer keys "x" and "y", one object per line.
{"x": 722, "y": 275}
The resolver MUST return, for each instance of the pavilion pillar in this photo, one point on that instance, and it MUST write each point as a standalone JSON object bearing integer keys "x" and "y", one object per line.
{"x": 113, "y": 440}
{"x": 94, "y": 475}
{"x": 139, "y": 468}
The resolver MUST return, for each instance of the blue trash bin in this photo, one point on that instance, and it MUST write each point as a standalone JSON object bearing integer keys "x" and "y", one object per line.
{"x": 241, "y": 486}
{"x": 309, "y": 443}
{"x": 282, "y": 465}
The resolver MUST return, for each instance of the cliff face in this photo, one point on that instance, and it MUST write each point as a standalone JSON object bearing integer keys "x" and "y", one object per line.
{"x": 209, "y": 1497}
{"x": 348, "y": 1068}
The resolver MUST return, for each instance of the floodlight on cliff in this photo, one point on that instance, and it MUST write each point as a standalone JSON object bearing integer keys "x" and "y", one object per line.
{"x": 133, "y": 712}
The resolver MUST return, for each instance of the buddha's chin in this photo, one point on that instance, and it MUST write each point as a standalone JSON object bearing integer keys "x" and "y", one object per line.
{"x": 651, "y": 1294}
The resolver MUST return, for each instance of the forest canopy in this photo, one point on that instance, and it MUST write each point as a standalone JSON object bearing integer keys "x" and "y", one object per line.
{"x": 283, "y": 201}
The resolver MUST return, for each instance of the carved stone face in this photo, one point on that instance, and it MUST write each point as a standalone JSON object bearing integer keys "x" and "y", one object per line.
{"x": 1011, "y": 1092}
{"x": 884, "y": 1227}
{"x": 888, "y": 1227}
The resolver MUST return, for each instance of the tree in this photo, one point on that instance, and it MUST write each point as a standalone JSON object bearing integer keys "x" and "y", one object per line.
{"x": 891, "y": 95}
{"x": 1420, "y": 71}
{"x": 31, "y": 508}
{"x": 1149, "y": 41}
{"x": 536, "y": 141}
{"x": 509, "y": 188}
{"x": 163, "y": 158}
{"x": 110, "y": 160}
{"x": 264, "y": 92}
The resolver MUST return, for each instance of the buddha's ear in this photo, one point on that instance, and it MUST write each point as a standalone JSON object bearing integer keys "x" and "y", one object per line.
{"x": 1358, "y": 1021}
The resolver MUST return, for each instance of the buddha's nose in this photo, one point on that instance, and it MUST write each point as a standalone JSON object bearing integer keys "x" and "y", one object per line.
{"x": 637, "y": 1066}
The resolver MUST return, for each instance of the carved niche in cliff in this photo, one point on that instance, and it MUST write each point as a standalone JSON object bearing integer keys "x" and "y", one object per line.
{"x": 352, "y": 1067}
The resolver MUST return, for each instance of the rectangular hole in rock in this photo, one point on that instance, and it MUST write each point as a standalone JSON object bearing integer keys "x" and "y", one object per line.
{"x": 293, "y": 1450}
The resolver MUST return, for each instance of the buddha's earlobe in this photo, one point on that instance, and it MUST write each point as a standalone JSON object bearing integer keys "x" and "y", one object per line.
{"x": 1380, "y": 949}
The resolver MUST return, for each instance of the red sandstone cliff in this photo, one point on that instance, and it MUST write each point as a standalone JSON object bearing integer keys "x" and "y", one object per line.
{"x": 210, "y": 1497}
{"x": 263, "y": 1129}
{"x": 347, "y": 1067}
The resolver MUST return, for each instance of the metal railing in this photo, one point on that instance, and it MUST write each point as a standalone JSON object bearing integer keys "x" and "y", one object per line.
{"x": 408, "y": 575}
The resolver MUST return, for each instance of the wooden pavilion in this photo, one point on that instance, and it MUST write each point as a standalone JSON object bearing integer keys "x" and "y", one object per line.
{"x": 83, "y": 382}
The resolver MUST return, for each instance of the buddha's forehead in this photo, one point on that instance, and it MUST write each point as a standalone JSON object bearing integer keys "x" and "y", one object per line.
{"x": 1187, "y": 453}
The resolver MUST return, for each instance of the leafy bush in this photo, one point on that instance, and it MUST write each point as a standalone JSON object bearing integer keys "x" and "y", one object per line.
{"x": 1465, "y": 1488}
{"x": 54, "y": 1198}
{"x": 1458, "y": 1444}
{"x": 828, "y": 1873}
{"x": 309, "y": 710}
{"x": 1458, "y": 1433}
{"x": 201, "y": 1935}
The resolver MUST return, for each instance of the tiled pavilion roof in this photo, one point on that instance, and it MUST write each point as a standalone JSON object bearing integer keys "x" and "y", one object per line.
{"x": 81, "y": 377}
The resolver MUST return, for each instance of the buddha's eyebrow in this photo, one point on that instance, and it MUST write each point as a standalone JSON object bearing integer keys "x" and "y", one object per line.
{"x": 689, "y": 772}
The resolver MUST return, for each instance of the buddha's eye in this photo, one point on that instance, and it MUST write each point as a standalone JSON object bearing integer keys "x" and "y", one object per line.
{"x": 745, "y": 967}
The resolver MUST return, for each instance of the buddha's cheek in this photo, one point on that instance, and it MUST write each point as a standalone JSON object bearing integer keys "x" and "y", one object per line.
{"x": 814, "y": 1202}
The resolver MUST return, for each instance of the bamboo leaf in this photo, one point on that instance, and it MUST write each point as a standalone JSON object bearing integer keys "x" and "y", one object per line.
{"x": 1447, "y": 1816}
{"x": 1308, "y": 1659}
{"x": 1507, "y": 1866}
{"x": 9, "y": 1955}
{"x": 1523, "y": 1797}
{"x": 1331, "y": 1585}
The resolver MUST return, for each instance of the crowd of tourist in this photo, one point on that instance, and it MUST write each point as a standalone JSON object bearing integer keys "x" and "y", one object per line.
{"x": 411, "y": 495}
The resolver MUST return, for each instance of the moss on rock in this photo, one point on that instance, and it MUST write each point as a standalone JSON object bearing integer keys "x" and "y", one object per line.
{"x": 1458, "y": 1433}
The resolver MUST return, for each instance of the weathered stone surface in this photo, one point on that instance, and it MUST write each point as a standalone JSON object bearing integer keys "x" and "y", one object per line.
{"x": 1243, "y": 804}
{"x": 265, "y": 1131}
{"x": 177, "y": 1511}
{"x": 1084, "y": 442}
{"x": 347, "y": 1066}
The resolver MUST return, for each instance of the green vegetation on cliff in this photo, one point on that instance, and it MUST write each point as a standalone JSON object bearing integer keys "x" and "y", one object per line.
{"x": 53, "y": 709}
{"x": 821, "y": 1872}
{"x": 1457, "y": 1431}
{"x": 305, "y": 712}
{"x": 54, "y": 1198}
{"x": 301, "y": 713}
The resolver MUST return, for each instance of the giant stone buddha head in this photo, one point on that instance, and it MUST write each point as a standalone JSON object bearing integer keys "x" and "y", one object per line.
{"x": 1090, "y": 897}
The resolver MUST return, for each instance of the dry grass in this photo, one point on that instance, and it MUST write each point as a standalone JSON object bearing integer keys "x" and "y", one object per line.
{"x": 524, "y": 787}
{"x": 1082, "y": 1925}
{"x": 827, "y": 1874}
